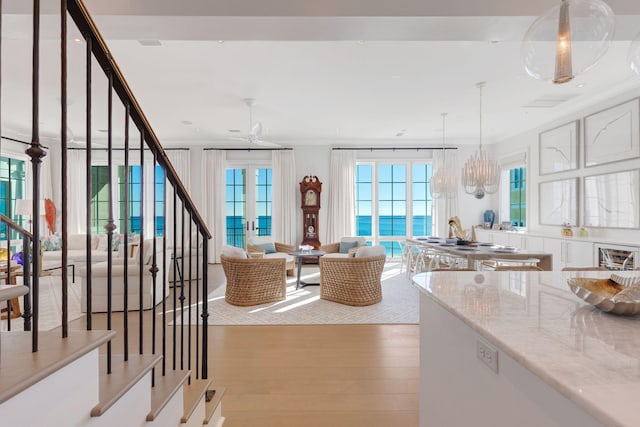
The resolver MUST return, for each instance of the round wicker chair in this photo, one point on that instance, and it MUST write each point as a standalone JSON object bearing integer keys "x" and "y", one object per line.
{"x": 254, "y": 281}
{"x": 352, "y": 281}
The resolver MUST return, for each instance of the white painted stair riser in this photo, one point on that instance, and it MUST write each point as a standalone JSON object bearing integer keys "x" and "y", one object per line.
{"x": 64, "y": 398}
{"x": 171, "y": 413}
{"x": 130, "y": 410}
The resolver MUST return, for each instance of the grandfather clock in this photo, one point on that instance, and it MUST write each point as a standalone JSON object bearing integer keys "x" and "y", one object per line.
{"x": 310, "y": 189}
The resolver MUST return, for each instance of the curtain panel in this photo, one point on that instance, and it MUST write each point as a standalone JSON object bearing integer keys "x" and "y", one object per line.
{"x": 284, "y": 186}
{"x": 213, "y": 167}
{"x": 341, "y": 206}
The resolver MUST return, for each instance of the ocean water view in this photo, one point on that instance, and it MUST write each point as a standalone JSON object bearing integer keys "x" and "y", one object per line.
{"x": 388, "y": 225}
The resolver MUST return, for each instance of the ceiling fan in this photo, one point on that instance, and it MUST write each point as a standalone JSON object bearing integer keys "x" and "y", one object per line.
{"x": 255, "y": 129}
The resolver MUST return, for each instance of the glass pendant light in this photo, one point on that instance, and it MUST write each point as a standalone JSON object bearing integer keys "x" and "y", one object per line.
{"x": 480, "y": 174}
{"x": 443, "y": 182}
{"x": 634, "y": 55}
{"x": 568, "y": 40}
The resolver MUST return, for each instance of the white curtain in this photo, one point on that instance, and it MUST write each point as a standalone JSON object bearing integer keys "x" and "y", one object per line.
{"x": 445, "y": 207}
{"x": 181, "y": 162}
{"x": 341, "y": 206}
{"x": 283, "y": 211}
{"x": 77, "y": 190}
{"x": 213, "y": 168}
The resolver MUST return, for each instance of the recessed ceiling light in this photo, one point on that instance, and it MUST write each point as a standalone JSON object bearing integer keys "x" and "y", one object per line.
{"x": 150, "y": 42}
{"x": 234, "y": 130}
{"x": 495, "y": 41}
{"x": 186, "y": 122}
{"x": 77, "y": 40}
{"x": 103, "y": 130}
{"x": 581, "y": 85}
{"x": 220, "y": 41}
{"x": 360, "y": 41}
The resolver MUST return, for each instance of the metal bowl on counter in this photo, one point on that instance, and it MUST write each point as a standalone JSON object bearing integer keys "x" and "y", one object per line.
{"x": 607, "y": 295}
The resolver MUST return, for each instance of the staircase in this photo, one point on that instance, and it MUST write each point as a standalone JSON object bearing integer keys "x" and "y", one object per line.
{"x": 65, "y": 384}
{"x": 108, "y": 374}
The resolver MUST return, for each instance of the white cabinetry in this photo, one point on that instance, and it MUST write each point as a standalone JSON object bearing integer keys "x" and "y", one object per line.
{"x": 569, "y": 253}
{"x": 484, "y": 236}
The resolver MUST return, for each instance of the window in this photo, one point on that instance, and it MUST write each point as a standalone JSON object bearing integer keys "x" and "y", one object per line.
{"x": 518, "y": 197}
{"x": 12, "y": 188}
{"x": 236, "y": 206}
{"x": 135, "y": 193}
{"x": 99, "y": 198}
{"x": 393, "y": 202}
{"x": 248, "y": 195}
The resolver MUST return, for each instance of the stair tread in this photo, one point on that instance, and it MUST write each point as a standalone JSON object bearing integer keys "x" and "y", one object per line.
{"x": 164, "y": 389}
{"x": 192, "y": 394}
{"x": 20, "y": 368}
{"x": 213, "y": 403}
{"x": 8, "y": 292}
{"x": 124, "y": 376}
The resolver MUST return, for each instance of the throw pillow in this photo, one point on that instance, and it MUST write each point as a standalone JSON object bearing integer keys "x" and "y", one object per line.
{"x": 269, "y": 248}
{"x": 367, "y": 251}
{"x": 52, "y": 243}
{"x": 233, "y": 252}
{"x": 102, "y": 242}
{"x": 345, "y": 246}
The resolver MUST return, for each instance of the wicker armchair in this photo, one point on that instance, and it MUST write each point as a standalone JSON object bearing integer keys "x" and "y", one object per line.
{"x": 281, "y": 252}
{"x": 254, "y": 281}
{"x": 333, "y": 249}
{"x": 352, "y": 281}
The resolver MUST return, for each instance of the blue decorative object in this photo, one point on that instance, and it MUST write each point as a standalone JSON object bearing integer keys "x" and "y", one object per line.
{"x": 489, "y": 217}
{"x": 345, "y": 246}
{"x": 17, "y": 257}
{"x": 269, "y": 248}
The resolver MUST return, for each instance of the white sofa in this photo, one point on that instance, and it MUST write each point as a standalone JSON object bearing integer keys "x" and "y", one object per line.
{"x": 77, "y": 251}
{"x": 99, "y": 281}
{"x": 180, "y": 258}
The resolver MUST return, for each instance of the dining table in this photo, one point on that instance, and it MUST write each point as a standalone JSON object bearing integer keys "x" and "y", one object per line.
{"x": 476, "y": 252}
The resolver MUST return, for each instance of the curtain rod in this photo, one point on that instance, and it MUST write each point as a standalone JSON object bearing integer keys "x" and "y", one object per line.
{"x": 20, "y": 142}
{"x": 395, "y": 148}
{"x": 122, "y": 149}
{"x": 248, "y": 149}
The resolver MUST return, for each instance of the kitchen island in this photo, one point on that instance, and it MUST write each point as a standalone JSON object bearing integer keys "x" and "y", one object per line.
{"x": 520, "y": 349}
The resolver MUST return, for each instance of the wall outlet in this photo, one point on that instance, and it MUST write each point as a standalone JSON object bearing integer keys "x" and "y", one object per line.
{"x": 488, "y": 355}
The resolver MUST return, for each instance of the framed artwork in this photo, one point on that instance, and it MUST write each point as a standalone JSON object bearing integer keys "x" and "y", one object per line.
{"x": 613, "y": 134}
{"x": 559, "y": 202}
{"x": 559, "y": 148}
{"x": 611, "y": 200}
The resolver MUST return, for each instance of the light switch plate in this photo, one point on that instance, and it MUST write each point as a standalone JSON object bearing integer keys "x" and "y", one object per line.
{"x": 488, "y": 355}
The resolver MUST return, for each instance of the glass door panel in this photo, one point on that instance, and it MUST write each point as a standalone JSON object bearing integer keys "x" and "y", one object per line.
{"x": 248, "y": 204}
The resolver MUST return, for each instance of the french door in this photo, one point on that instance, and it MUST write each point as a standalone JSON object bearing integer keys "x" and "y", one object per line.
{"x": 248, "y": 203}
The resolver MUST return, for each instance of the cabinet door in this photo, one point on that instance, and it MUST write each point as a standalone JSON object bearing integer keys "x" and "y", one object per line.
{"x": 578, "y": 254}
{"x": 556, "y": 248}
{"x": 517, "y": 241}
{"x": 501, "y": 238}
{"x": 484, "y": 236}
{"x": 534, "y": 243}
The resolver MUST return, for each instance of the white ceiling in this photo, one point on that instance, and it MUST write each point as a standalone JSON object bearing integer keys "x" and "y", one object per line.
{"x": 340, "y": 73}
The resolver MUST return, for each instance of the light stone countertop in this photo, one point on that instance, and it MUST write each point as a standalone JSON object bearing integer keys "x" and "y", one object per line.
{"x": 591, "y": 357}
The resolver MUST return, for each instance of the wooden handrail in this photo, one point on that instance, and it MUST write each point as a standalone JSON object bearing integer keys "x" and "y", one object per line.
{"x": 80, "y": 15}
{"x": 15, "y": 226}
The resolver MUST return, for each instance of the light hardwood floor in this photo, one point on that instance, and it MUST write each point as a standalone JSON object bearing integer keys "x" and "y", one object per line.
{"x": 307, "y": 375}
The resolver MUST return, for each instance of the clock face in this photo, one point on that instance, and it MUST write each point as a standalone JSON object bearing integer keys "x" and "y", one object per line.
{"x": 310, "y": 229}
{"x": 310, "y": 198}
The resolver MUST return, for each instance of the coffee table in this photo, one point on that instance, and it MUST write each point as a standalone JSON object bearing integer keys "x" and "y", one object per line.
{"x": 305, "y": 254}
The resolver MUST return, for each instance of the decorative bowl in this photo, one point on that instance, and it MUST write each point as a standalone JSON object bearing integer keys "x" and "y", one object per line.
{"x": 602, "y": 293}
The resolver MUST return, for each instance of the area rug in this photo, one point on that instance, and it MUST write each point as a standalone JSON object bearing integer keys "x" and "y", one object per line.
{"x": 50, "y": 315}
{"x": 399, "y": 305}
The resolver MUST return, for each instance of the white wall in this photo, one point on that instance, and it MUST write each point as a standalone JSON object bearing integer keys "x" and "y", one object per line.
{"x": 529, "y": 141}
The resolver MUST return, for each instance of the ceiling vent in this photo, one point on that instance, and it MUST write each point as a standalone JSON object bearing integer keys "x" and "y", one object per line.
{"x": 150, "y": 42}
{"x": 550, "y": 100}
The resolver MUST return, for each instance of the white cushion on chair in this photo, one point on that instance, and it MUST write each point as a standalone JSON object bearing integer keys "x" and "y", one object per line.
{"x": 367, "y": 251}
{"x": 233, "y": 252}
